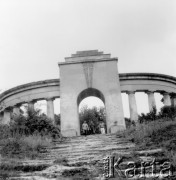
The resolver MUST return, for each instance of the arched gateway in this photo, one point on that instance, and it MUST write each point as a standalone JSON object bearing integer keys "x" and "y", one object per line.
{"x": 89, "y": 73}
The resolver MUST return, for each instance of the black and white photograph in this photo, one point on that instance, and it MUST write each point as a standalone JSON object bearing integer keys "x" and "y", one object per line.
{"x": 87, "y": 89}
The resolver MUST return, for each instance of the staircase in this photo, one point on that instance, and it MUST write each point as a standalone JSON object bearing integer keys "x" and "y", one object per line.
{"x": 90, "y": 148}
{"x": 74, "y": 155}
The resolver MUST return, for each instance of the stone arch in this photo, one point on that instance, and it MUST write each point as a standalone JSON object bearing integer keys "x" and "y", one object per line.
{"x": 87, "y": 93}
{"x": 90, "y": 92}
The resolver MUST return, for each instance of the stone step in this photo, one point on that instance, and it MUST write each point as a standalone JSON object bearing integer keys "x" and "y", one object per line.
{"x": 84, "y": 151}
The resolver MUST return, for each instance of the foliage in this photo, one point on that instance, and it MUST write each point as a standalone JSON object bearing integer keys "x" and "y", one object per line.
{"x": 28, "y": 146}
{"x": 155, "y": 134}
{"x": 168, "y": 112}
{"x": 27, "y": 134}
{"x": 33, "y": 123}
{"x": 4, "y": 131}
{"x": 57, "y": 119}
{"x": 149, "y": 130}
{"x": 129, "y": 123}
{"x": 93, "y": 117}
{"x": 165, "y": 112}
{"x": 151, "y": 116}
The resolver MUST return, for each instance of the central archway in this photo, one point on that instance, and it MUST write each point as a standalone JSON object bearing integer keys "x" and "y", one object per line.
{"x": 90, "y": 92}
{"x": 95, "y": 116}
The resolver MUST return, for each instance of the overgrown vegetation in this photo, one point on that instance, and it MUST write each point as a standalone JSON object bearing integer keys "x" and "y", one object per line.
{"x": 167, "y": 112}
{"x": 27, "y": 136}
{"x": 156, "y": 131}
{"x": 93, "y": 117}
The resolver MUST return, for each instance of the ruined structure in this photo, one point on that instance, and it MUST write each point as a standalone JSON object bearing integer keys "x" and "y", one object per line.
{"x": 84, "y": 74}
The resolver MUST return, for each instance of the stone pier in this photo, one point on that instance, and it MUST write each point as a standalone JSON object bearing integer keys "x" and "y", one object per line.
{"x": 132, "y": 106}
{"x": 50, "y": 108}
{"x": 151, "y": 100}
{"x": 167, "y": 99}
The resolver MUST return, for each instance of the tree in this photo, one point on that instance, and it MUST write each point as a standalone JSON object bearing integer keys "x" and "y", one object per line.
{"x": 33, "y": 123}
{"x": 151, "y": 116}
{"x": 93, "y": 117}
{"x": 57, "y": 119}
{"x": 168, "y": 112}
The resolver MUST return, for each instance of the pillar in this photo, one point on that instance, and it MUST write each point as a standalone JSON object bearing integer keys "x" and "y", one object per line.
{"x": 132, "y": 106}
{"x": 16, "y": 109}
{"x": 7, "y": 116}
{"x": 151, "y": 100}
{"x": 173, "y": 99}
{"x": 167, "y": 100}
{"x": 1, "y": 117}
{"x": 31, "y": 105}
{"x": 50, "y": 108}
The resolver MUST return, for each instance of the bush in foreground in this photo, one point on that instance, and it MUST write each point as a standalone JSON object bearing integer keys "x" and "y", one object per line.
{"x": 27, "y": 136}
{"x": 155, "y": 134}
{"x": 33, "y": 123}
{"x": 26, "y": 146}
{"x": 166, "y": 112}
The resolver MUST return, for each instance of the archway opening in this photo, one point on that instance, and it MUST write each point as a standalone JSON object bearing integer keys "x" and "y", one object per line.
{"x": 91, "y": 109}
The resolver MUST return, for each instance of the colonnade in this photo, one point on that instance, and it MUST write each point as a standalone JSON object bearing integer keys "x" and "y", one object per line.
{"x": 168, "y": 99}
{"x": 6, "y": 115}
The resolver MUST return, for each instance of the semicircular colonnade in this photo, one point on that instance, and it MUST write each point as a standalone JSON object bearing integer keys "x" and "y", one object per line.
{"x": 48, "y": 90}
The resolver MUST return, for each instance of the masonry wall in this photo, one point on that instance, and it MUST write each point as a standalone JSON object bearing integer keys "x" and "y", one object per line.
{"x": 76, "y": 77}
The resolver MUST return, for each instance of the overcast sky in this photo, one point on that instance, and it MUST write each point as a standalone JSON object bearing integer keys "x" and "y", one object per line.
{"x": 37, "y": 34}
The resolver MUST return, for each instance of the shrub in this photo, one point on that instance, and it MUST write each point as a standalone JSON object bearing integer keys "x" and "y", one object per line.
{"x": 129, "y": 123}
{"x": 153, "y": 130}
{"x": 27, "y": 135}
{"x": 33, "y": 123}
{"x": 159, "y": 133}
{"x": 4, "y": 131}
{"x": 151, "y": 116}
{"x": 57, "y": 119}
{"x": 168, "y": 112}
{"x": 28, "y": 146}
{"x": 35, "y": 142}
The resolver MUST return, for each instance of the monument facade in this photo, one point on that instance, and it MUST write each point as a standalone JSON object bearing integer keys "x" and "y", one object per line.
{"x": 84, "y": 74}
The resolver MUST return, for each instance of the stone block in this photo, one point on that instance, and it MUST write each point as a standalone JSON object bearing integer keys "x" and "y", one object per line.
{"x": 116, "y": 128}
{"x": 69, "y": 133}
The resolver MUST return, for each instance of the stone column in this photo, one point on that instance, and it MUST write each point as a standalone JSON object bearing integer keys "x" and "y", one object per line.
{"x": 133, "y": 106}
{"x": 31, "y": 105}
{"x": 167, "y": 100}
{"x": 1, "y": 117}
{"x": 173, "y": 99}
{"x": 16, "y": 109}
{"x": 50, "y": 108}
{"x": 151, "y": 100}
{"x": 7, "y": 116}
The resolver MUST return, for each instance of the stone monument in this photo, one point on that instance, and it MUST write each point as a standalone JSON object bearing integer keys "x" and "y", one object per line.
{"x": 84, "y": 74}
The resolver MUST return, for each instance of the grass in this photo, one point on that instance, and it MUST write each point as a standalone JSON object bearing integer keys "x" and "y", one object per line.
{"x": 61, "y": 161}
{"x": 25, "y": 146}
{"x": 156, "y": 134}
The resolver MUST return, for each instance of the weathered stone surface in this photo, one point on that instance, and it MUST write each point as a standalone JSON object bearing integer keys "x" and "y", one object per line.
{"x": 100, "y": 76}
{"x": 80, "y": 152}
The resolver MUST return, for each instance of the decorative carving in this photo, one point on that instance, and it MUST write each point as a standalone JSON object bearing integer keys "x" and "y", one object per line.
{"x": 88, "y": 72}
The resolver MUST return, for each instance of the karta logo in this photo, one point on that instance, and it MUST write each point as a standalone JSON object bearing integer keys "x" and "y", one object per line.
{"x": 115, "y": 168}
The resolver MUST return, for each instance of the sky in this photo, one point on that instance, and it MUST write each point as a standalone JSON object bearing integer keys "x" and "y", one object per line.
{"x": 37, "y": 34}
